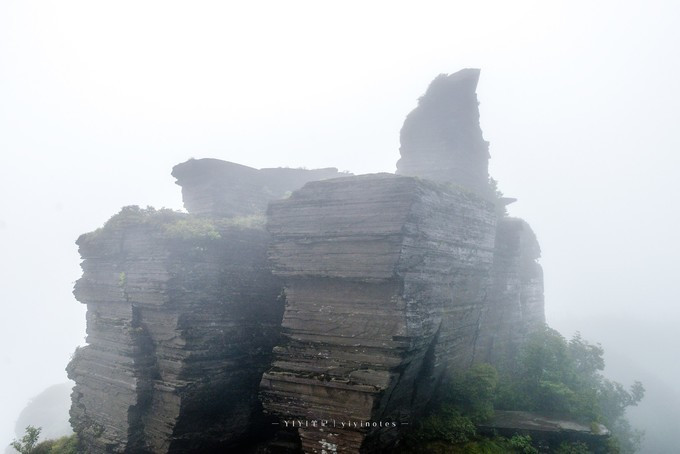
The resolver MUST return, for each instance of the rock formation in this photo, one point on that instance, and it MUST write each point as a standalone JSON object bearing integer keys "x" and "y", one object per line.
{"x": 550, "y": 432}
{"x": 182, "y": 315}
{"x": 441, "y": 139}
{"x": 341, "y": 320}
{"x": 393, "y": 283}
{"x": 183, "y": 312}
{"x": 385, "y": 282}
{"x": 222, "y": 188}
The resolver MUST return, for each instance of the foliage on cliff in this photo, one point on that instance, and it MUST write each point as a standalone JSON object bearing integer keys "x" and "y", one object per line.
{"x": 550, "y": 375}
{"x": 451, "y": 428}
{"x": 555, "y": 376}
{"x": 28, "y": 444}
{"x": 176, "y": 225}
{"x": 63, "y": 445}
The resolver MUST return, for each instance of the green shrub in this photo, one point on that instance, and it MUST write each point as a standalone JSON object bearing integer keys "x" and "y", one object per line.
{"x": 473, "y": 392}
{"x": 576, "y": 447}
{"x": 29, "y": 443}
{"x": 254, "y": 221}
{"x": 65, "y": 445}
{"x": 549, "y": 375}
{"x": 556, "y": 376}
{"x": 192, "y": 228}
{"x": 522, "y": 444}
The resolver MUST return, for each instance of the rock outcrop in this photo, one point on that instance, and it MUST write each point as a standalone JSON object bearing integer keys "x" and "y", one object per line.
{"x": 385, "y": 282}
{"x": 183, "y": 313}
{"x": 441, "y": 139}
{"x": 393, "y": 283}
{"x": 340, "y": 320}
{"x": 222, "y": 188}
{"x": 548, "y": 431}
{"x": 182, "y": 316}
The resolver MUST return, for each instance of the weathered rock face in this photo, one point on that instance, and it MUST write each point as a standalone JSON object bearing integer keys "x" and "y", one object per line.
{"x": 386, "y": 279}
{"x": 441, "y": 139}
{"x": 222, "y": 188}
{"x": 515, "y": 305}
{"x": 391, "y": 283}
{"x": 182, "y": 316}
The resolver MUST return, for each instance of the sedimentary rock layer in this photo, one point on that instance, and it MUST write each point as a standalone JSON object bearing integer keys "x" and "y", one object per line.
{"x": 441, "y": 139}
{"x": 182, "y": 316}
{"x": 223, "y": 188}
{"x": 392, "y": 283}
{"x": 385, "y": 279}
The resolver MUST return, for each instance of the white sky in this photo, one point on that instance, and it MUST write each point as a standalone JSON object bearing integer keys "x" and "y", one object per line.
{"x": 98, "y": 100}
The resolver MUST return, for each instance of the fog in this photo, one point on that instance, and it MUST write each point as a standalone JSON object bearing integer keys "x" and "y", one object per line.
{"x": 579, "y": 101}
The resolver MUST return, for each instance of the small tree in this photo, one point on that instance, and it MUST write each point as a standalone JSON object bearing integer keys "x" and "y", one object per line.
{"x": 28, "y": 442}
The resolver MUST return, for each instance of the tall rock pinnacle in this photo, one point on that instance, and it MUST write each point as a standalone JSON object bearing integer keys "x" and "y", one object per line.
{"x": 441, "y": 139}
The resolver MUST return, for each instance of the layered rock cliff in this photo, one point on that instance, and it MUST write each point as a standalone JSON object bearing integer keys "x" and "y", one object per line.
{"x": 182, "y": 316}
{"x": 350, "y": 303}
{"x": 394, "y": 283}
{"x": 183, "y": 313}
{"x": 385, "y": 282}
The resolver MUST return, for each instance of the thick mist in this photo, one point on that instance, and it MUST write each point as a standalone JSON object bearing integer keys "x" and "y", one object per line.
{"x": 578, "y": 100}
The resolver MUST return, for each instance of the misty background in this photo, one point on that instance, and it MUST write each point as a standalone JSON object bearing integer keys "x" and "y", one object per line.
{"x": 579, "y": 100}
